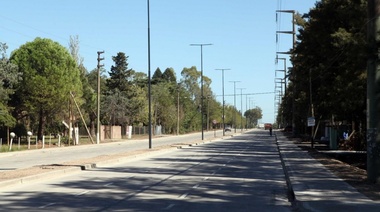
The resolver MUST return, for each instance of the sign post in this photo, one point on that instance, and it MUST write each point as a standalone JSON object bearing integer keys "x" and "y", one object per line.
{"x": 311, "y": 123}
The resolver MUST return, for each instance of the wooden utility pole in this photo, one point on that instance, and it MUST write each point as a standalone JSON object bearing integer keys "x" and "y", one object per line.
{"x": 98, "y": 99}
{"x": 373, "y": 71}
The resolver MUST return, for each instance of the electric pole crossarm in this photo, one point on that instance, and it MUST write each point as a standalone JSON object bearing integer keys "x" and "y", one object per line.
{"x": 285, "y": 32}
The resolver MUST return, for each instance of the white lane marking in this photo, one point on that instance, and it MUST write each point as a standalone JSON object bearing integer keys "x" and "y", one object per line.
{"x": 169, "y": 207}
{"x": 108, "y": 184}
{"x": 196, "y": 186}
{"x": 81, "y": 193}
{"x": 206, "y": 178}
{"x": 47, "y": 205}
{"x": 183, "y": 196}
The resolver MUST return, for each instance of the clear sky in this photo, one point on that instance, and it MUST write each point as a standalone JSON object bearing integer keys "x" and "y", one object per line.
{"x": 243, "y": 34}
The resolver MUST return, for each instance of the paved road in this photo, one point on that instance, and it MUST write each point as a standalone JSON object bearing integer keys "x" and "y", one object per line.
{"x": 33, "y": 157}
{"x": 242, "y": 173}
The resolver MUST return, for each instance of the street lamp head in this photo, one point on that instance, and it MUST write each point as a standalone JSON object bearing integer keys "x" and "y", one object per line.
{"x": 201, "y": 44}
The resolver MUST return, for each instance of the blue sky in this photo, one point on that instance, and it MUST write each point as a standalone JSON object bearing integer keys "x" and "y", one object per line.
{"x": 243, "y": 34}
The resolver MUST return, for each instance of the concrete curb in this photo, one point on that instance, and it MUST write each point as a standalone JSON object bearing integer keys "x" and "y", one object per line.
{"x": 39, "y": 177}
{"x": 292, "y": 196}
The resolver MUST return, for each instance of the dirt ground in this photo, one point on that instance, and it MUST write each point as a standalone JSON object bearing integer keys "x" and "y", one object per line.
{"x": 352, "y": 171}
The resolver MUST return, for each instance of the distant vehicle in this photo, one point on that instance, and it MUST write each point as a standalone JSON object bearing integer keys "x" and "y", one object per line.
{"x": 227, "y": 129}
{"x": 267, "y": 126}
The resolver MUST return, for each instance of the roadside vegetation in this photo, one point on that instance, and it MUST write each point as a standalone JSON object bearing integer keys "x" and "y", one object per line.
{"x": 42, "y": 83}
{"x": 328, "y": 79}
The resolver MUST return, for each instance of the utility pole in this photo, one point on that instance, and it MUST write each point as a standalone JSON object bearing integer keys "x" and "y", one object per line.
{"x": 293, "y": 32}
{"x": 98, "y": 99}
{"x": 373, "y": 141}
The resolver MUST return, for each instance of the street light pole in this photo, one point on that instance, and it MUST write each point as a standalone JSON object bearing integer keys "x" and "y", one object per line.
{"x": 241, "y": 106}
{"x": 149, "y": 84}
{"x": 235, "y": 103}
{"x": 223, "y": 69}
{"x": 178, "y": 110}
{"x": 201, "y": 45}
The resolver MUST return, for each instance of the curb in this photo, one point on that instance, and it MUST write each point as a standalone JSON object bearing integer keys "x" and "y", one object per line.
{"x": 38, "y": 177}
{"x": 291, "y": 194}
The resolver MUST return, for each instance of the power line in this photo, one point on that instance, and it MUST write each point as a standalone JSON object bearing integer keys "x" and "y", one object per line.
{"x": 249, "y": 94}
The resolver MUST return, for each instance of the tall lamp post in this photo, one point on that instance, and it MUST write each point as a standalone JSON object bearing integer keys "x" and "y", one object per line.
{"x": 201, "y": 45}
{"x": 241, "y": 108}
{"x": 149, "y": 83}
{"x": 223, "y": 69}
{"x": 235, "y": 103}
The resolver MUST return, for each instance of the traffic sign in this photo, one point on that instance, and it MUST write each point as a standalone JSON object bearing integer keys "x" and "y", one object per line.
{"x": 311, "y": 122}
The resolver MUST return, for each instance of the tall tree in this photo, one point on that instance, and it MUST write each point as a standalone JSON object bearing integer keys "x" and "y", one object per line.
{"x": 120, "y": 75}
{"x": 254, "y": 115}
{"x": 122, "y": 80}
{"x": 157, "y": 76}
{"x": 8, "y": 79}
{"x": 49, "y": 75}
{"x": 329, "y": 63}
{"x": 169, "y": 75}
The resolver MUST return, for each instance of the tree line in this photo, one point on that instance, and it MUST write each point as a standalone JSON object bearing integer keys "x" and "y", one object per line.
{"x": 328, "y": 77}
{"x": 41, "y": 82}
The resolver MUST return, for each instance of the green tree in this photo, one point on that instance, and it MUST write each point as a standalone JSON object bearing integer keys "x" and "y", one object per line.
{"x": 8, "y": 79}
{"x": 254, "y": 115}
{"x": 164, "y": 107}
{"x": 49, "y": 75}
{"x": 191, "y": 80}
{"x": 330, "y": 60}
{"x": 123, "y": 81}
{"x": 120, "y": 75}
{"x": 157, "y": 76}
{"x": 169, "y": 76}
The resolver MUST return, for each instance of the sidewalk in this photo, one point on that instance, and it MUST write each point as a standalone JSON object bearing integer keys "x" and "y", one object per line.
{"x": 314, "y": 187}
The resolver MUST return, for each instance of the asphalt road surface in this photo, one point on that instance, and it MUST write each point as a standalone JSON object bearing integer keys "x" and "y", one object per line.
{"x": 242, "y": 173}
{"x": 35, "y": 157}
